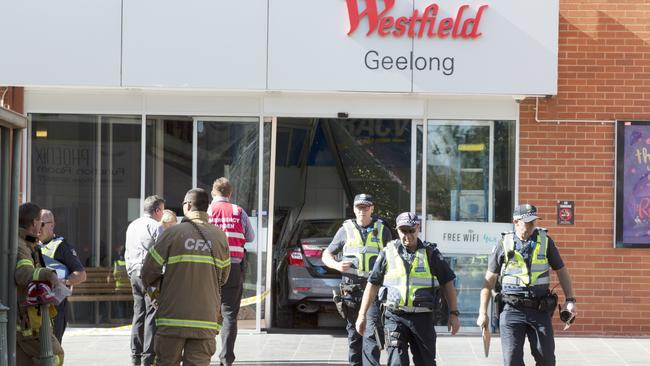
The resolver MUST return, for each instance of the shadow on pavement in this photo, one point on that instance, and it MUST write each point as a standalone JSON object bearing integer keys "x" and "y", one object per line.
{"x": 281, "y": 362}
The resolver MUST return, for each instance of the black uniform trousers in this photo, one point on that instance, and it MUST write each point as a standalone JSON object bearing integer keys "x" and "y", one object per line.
{"x": 414, "y": 330}
{"x": 61, "y": 319}
{"x": 143, "y": 329}
{"x": 231, "y": 294}
{"x": 363, "y": 350}
{"x": 517, "y": 323}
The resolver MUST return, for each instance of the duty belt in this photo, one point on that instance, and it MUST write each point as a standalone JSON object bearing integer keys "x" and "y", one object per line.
{"x": 521, "y": 301}
{"x": 408, "y": 309}
{"x": 353, "y": 271}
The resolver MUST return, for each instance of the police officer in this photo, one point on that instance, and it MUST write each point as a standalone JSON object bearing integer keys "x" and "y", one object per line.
{"x": 60, "y": 256}
{"x": 196, "y": 262}
{"x": 413, "y": 273}
{"x": 359, "y": 241}
{"x": 521, "y": 263}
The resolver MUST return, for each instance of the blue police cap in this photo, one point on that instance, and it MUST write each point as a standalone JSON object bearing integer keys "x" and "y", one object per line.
{"x": 363, "y": 199}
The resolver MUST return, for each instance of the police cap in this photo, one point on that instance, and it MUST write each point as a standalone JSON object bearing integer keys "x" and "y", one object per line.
{"x": 525, "y": 212}
{"x": 363, "y": 199}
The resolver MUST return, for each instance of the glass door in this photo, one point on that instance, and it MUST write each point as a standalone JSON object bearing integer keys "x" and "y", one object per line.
{"x": 454, "y": 164}
{"x": 232, "y": 148}
{"x": 458, "y": 166}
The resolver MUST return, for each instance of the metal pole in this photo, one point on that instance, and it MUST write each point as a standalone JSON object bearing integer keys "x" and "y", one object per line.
{"x": 13, "y": 242}
{"x": 4, "y": 353}
{"x": 4, "y": 241}
{"x": 5, "y": 162}
{"x": 47, "y": 356}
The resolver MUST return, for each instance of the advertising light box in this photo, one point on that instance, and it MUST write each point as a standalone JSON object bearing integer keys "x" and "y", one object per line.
{"x": 632, "y": 215}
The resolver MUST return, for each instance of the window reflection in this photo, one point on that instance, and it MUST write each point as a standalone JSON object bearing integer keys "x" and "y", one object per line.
{"x": 82, "y": 168}
{"x": 458, "y": 170}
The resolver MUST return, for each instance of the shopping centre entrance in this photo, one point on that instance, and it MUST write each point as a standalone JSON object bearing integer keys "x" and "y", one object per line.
{"x": 294, "y": 176}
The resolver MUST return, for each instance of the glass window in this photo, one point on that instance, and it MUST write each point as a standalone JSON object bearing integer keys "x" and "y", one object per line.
{"x": 169, "y": 159}
{"x": 460, "y": 155}
{"x": 375, "y": 156}
{"x": 230, "y": 148}
{"x": 82, "y": 168}
{"x": 470, "y": 272}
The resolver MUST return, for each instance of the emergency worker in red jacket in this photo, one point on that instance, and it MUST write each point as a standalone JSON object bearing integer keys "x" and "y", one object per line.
{"x": 234, "y": 221}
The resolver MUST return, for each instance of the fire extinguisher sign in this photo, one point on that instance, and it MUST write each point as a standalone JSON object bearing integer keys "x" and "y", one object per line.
{"x": 565, "y": 212}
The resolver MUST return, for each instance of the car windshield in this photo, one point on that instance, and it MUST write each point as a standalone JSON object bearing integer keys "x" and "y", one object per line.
{"x": 319, "y": 229}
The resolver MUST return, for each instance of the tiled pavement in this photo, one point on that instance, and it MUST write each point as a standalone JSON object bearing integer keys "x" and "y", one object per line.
{"x": 93, "y": 346}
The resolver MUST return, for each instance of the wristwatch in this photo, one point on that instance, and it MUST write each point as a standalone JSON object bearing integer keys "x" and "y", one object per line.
{"x": 570, "y": 299}
{"x": 454, "y": 312}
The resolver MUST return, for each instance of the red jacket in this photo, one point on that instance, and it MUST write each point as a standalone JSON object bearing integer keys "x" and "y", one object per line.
{"x": 228, "y": 217}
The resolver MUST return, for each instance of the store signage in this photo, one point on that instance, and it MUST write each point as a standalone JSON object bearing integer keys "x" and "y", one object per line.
{"x": 417, "y": 25}
{"x": 565, "y": 212}
{"x": 463, "y": 237}
{"x": 434, "y": 47}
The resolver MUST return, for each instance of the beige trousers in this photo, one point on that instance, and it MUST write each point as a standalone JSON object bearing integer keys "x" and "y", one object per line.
{"x": 170, "y": 351}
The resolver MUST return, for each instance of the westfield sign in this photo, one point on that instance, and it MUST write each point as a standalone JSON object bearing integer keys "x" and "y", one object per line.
{"x": 465, "y": 25}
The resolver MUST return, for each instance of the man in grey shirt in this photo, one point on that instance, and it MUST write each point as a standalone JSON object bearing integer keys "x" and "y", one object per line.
{"x": 140, "y": 236}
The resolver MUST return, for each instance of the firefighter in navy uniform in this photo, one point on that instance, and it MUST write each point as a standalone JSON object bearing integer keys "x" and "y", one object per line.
{"x": 522, "y": 262}
{"x": 59, "y": 255}
{"x": 359, "y": 242}
{"x": 414, "y": 273}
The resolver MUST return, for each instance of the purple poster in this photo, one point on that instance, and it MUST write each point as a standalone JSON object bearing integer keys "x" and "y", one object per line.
{"x": 635, "y": 180}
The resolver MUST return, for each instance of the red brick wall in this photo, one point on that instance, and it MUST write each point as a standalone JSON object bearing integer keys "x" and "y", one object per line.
{"x": 604, "y": 74}
{"x": 13, "y": 98}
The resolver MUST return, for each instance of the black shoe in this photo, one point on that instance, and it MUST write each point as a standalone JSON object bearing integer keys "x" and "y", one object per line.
{"x": 135, "y": 361}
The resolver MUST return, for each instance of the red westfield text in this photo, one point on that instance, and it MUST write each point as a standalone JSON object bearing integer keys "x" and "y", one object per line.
{"x": 464, "y": 25}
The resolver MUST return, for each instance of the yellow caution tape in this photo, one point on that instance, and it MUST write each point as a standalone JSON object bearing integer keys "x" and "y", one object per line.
{"x": 254, "y": 299}
{"x": 97, "y": 331}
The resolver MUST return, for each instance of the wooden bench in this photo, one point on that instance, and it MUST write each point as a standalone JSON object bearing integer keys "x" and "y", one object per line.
{"x": 100, "y": 286}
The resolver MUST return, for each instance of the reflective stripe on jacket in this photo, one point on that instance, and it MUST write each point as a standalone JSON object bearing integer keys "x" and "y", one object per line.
{"x": 49, "y": 251}
{"x": 120, "y": 275}
{"x": 362, "y": 254}
{"x": 28, "y": 268}
{"x": 408, "y": 289}
{"x": 196, "y": 267}
{"x": 514, "y": 271}
{"x": 227, "y": 216}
